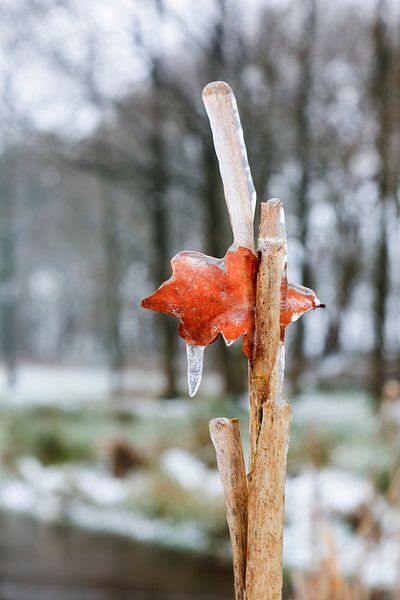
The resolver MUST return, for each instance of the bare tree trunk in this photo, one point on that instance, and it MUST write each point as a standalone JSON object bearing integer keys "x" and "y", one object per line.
{"x": 159, "y": 189}
{"x": 8, "y": 270}
{"x": 348, "y": 270}
{"x": 347, "y": 261}
{"x": 383, "y": 100}
{"x": 303, "y": 151}
{"x": 112, "y": 283}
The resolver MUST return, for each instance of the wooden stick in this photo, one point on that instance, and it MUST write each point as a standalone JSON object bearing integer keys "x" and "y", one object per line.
{"x": 272, "y": 268}
{"x": 225, "y": 435}
{"x": 270, "y": 417}
{"x": 266, "y": 506}
{"x": 240, "y": 195}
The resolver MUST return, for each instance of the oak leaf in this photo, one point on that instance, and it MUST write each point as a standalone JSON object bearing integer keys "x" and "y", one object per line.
{"x": 212, "y": 296}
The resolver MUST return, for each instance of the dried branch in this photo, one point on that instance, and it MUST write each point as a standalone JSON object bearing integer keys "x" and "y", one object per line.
{"x": 266, "y": 505}
{"x": 272, "y": 268}
{"x": 225, "y": 435}
{"x": 270, "y": 417}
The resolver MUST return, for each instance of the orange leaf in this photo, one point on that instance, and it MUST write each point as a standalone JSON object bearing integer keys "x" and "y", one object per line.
{"x": 210, "y": 296}
{"x": 296, "y": 301}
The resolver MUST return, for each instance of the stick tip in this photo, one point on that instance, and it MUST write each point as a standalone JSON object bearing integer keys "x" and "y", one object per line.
{"x": 217, "y": 87}
{"x": 274, "y": 202}
{"x": 218, "y": 424}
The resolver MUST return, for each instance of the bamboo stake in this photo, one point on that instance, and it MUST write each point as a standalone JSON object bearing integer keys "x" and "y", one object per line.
{"x": 225, "y": 435}
{"x": 270, "y": 417}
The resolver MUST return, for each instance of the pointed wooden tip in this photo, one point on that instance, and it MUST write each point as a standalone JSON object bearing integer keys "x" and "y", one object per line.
{"x": 217, "y": 87}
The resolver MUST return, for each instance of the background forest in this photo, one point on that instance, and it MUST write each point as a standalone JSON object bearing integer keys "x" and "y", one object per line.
{"x": 107, "y": 169}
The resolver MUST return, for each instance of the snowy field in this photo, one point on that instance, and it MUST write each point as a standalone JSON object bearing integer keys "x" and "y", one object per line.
{"x": 59, "y": 426}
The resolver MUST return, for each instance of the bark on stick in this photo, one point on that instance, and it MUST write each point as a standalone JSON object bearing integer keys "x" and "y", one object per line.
{"x": 270, "y": 417}
{"x": 272, "y": 269}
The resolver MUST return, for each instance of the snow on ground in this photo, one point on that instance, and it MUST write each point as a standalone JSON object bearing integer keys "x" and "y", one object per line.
{"x": 91, "y": 497}
{"x": 96, "y": 500}
{"x": 69, "y": 387}
{"x": 72, "y": 387}
{"x": 190, "y": 472}
{"x": 313, "y": 498}
{"x": 184, "y": 535}
{"x": 334, "y": 408}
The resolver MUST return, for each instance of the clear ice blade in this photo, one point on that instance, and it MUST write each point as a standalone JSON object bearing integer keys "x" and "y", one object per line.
{"x": 195, "y": 356}
{"x": 281, "y": 366}
{"x": 240, "y": 194}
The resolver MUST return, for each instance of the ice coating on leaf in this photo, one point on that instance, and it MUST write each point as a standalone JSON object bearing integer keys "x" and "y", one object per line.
{"x": 210, "y": 296}
{"x": 299, "y": 300}
{"x": 240, "y": 194}
{"x": 195, "y": 357}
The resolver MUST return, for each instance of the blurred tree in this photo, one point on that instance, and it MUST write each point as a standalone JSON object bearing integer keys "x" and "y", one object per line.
{"x": 303, "y": 152}
{"x": 158, "y": 192}
{"x": 8, "y": 265}
{"x": 83, "y": 243}
{"x": 9, "y": 283}
{"x": 383, "y": 98}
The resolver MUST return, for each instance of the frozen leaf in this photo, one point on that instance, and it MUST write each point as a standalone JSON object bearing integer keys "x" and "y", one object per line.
{"x": 297, "y": 300}
{"x": 210, "y": 296}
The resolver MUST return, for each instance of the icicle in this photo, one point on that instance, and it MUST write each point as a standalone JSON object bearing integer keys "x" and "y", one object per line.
{"x": 195, "y": 355}
{"x": 281, "y": 366}
{"x": 240, "y": 194}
